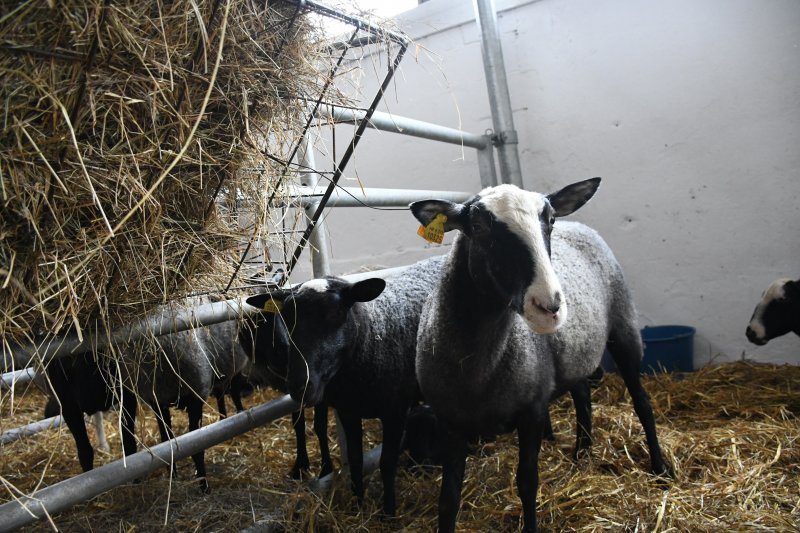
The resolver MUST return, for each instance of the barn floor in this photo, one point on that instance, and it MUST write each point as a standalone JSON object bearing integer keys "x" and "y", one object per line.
{"x": 731, "y": 431}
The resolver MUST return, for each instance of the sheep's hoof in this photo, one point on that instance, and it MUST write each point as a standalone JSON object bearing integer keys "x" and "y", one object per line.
{"x": 204, "y": 488}
{"x": 327, "y": 468}
{"x": 299, "y": 471}
{"x": 579, "y": 452}
{"x": 664, "y": 473}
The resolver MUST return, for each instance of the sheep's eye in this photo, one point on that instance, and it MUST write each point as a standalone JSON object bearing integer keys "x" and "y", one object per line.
{"x": 552, "y": 220}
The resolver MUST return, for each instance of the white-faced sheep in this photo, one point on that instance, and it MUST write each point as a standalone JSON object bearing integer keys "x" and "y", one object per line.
{"x": 352, "y": 346}
{"x": 777, "y": 313}
{"x": 495, "y": 344}
{"x": 264, "y": 338}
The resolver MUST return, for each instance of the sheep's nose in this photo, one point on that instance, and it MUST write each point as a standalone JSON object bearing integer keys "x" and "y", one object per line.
{"x": 753, "y": 337}
{"x": 552, "y": 307}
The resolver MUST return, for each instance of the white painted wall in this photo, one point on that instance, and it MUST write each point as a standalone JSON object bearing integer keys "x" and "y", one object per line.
{"x": 689, "y": 110}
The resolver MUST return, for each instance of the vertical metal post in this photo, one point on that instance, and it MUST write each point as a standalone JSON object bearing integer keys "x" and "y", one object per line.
{"x": 499, "y": 98}
{"x": 318, "y": 240}
{"x": 486, "y": 168}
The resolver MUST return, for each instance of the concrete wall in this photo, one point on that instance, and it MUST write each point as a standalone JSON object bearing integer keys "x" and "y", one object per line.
{"x": 689, "y": 110}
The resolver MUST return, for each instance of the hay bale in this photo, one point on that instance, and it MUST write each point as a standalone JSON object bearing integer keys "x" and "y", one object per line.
{"x": 126, "y": 127}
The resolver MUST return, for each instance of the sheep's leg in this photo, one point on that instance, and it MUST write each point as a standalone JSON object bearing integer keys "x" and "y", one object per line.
{"x": 453, "y": 464}
{"x": 164, "y": 419}
{"x": 530, "y": 428}
{"x": 390, "y": 453}
{"x": 73, "y": 416}
{"x": 129, "y": 405}
{"x": 352, "y": 431}
{"x": 321, "y": 431}
{"x": 194, "y": 408}
{"x": 237, "y": 383}
{"x": 582, "y": 398}
{"x": 301, "y": 462}
{"x": 627, "y": 353}
{"x": 547, "y": 433}
{"x": 221, "y": 407}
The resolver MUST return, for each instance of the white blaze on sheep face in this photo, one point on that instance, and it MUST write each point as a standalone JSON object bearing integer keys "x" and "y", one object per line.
{"x": 769, "y": 305}
{"x": 529, "y": 217}
{"x": 318, "y": 285}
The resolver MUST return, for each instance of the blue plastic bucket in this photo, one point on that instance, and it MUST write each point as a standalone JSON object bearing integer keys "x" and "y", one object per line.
{"x": 668, "y": 349}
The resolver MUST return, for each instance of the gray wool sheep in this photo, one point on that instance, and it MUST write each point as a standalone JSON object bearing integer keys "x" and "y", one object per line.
{"x": 183, "y": 369}
{"x": 507, "y": 328}
{"x": 353, "y": 348}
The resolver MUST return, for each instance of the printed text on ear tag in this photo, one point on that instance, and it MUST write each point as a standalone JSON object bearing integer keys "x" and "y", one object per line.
{"x": 272, "y": 306}
{"x": 434, "y": 232}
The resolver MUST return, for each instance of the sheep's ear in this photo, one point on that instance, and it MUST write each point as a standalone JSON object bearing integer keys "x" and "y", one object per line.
{"x": 268, "y": 302}
{"x": 791, "y": 290}
{"x": 572, "y": 197}
{"x": 426, "y": 211}
{"x": 365, "y": 290}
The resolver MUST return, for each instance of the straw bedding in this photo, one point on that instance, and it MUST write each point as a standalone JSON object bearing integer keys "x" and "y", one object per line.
{"x": 731, "y": 431}
{"x": 128, "y": 129}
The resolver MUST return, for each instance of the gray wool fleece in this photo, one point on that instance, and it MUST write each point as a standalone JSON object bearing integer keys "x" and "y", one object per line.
{"x": 381, "y": 361}
{"x": 198, "y": 361}
{"x": 478, "y": 377}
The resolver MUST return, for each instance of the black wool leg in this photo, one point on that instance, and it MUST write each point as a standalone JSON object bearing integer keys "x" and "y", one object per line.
{"x": 355, "y": 456}
{"x": 627, "y": 352}
{"x": 301, "y": 462}
{"x": 321, "y": 431}
{"x": 194, "y": 409}
{"x": 582, "y": 399}
{"x": 223, "y": 410}
{"x": 164, "y": 419}
{"x": 129, "y": 405}
{"x": 453, "y": 464}
{"x": 547, "y": 433}
{"x": 390, "y": 454}
{"x": 530, "y": 428}
{"x": 237, "y": 385}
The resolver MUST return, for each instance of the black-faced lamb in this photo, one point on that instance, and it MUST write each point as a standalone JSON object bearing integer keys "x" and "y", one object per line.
{"x": 777, "y": 313}
{"x": 352, "y": 346}
{"x": 264, "y": 339}
{"x": 495, "y": 343}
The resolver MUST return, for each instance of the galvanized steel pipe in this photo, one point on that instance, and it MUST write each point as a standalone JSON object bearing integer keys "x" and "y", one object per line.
{"x": 63, "y": 495}
{"x": 499, "y": 99}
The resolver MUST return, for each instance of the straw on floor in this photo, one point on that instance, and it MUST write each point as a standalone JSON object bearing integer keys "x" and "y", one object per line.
{"x": 731, "y": 432}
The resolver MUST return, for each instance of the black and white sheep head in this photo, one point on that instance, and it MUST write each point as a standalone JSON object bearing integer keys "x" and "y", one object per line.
{"x": 321, "y": 331}
{"x": 508, "y": 231}
{"x": 777, "y": 312}
{"x": 264, "y": 338}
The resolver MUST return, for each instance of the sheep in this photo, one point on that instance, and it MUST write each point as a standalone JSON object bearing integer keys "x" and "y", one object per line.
{"x": 180, "y": 369}
{"x": 183, "y": 369}
{"x": 494, "y": 342}
{"x": 264, "y": 339}
{"x": 352, "y": 346}
{"x": 777, "y": 313}
{"x": 85, "y": 383}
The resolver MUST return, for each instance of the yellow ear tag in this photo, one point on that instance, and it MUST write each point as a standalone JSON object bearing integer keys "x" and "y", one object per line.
{"x": 272, "y": 306}
{"x": 434, "y": 232}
